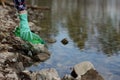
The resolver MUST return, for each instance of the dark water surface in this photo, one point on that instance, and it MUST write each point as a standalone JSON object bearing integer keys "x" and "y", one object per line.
{"x": 92, "y": 28}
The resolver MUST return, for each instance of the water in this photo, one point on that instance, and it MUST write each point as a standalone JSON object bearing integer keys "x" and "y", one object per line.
{"x": 92, "y": 28}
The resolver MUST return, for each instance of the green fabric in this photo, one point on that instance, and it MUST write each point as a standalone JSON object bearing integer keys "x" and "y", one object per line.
{"x": 23, "y": 31}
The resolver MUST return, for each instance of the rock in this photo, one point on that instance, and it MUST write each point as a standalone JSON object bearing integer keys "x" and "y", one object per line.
{"x": 44, "y": 74}
{"x": 24, "y": 76}
{"x": 38, "y": 48}
{"x": 11, "y": 75}
{"x": 34, "y": 28}
{"x": 3, "y": 40}
{"x": 51, "y": 40}
{"x": 81, "y": 68}
{"x": 18, "y": 39}
{"x": 32, "y": 75}
{"x": 85, "y": 71}
{"x": 20, "y": 66}
{"x": 4, "y": 47}
{"x": 68, "y": 77}
{"x": 27, "y": 61}
{"x": 35, "y": 48}
{"x": 5, "y": 55}
{"x": 41, "y": 57}
{"x": 1, "y": 76}
{"x": 48, "y": 74}
{"x": 91, "y": 75}
{"x": 64, "y": 41}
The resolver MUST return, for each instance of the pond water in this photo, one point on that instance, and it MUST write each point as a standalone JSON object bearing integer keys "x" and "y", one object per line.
{"x": 92, "y": 28}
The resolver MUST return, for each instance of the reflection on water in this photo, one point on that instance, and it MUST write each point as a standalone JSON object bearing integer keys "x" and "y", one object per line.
{"x": 93, "y": 30}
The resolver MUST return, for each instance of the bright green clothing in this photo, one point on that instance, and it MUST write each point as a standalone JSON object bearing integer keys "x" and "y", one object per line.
{"x": 23, "y": 31}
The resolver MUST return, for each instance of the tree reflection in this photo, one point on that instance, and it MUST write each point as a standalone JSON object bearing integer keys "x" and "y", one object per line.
{"x": 109, "y": 38}
{"x": 77, "y": 27}
{"x": 95, "y": 15}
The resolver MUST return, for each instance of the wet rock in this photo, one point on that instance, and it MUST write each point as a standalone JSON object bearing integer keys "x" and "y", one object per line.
{"x": 41, "y": 57}
{"x": 64, "y": 41}
{"x": 51, "y": 40}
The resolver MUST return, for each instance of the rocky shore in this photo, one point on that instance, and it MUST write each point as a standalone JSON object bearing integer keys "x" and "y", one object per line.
{"x": 16, "y": 54}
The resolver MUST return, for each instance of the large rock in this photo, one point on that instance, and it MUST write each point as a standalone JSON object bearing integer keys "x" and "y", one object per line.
{"x": 85, "y": 71}
{"x": 81, "y": 68}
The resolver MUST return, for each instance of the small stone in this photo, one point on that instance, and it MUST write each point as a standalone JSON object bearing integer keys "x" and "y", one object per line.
{"x": 64, "y": 41}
